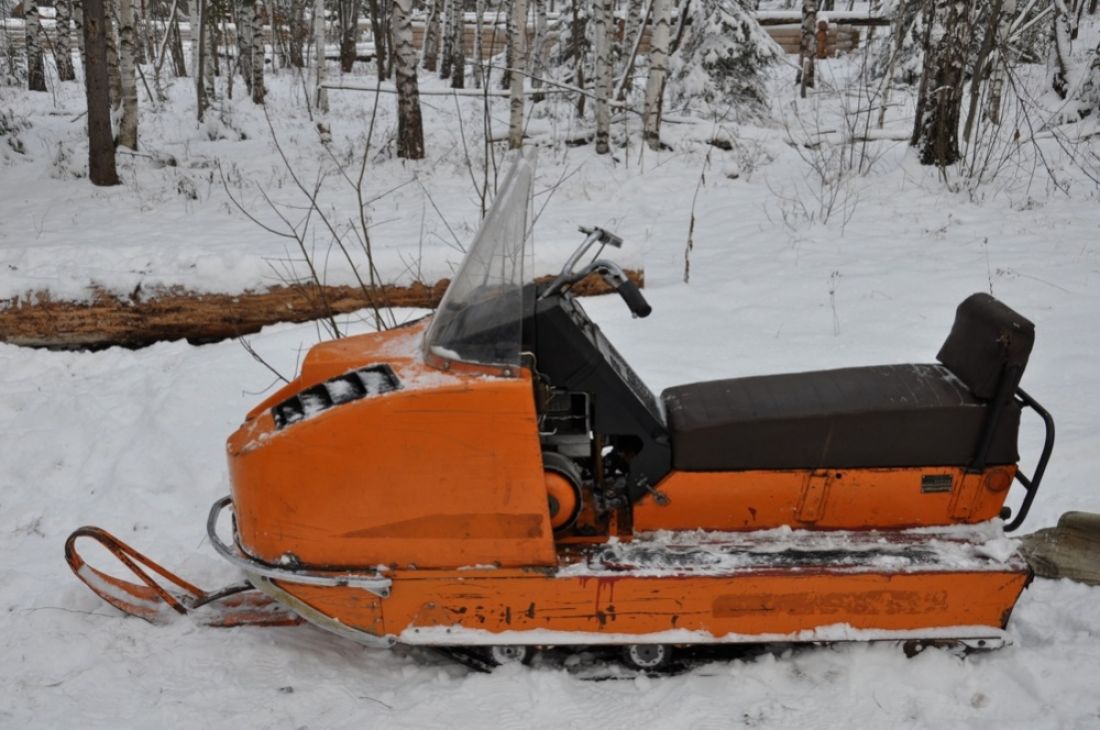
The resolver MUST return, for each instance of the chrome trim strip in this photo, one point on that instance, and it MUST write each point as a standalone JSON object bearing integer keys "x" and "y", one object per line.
{"x": 372, "y": 583}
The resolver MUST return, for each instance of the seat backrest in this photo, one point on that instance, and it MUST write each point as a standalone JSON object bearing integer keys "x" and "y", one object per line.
{"x": 986, "y": 338}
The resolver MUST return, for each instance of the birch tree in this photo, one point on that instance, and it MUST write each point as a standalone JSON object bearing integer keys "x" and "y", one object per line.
{"x": 479, "y": 51}
{"x": 1090, "y": 92}
{"x": 937, "y": 136}
{"x": 78, "y": 24}
{"x": 578, "y": 48}
{"x": 242, "y": 17}
{"x": 603, "y": 12}
{"x": 517, "y": 41}
{"x": 380, "y": 30}
{"x": 658, "y": 63}
{"x": 410, "y": 132}
{"x": 537, "y": 54}
{"x": 1060, "y": 48}
{"x": 999, "y": 62}
{"x": 807, "y": 47}
{"x": 458, "y": 46}
{"x": 101, "y": 147}
{"x": 349, "y": 33}
{"x": 431, "y": 35}
{"x": 320, "y": 95}
{"x": 198, "y": 57}
{"x": 257, "y": 49}
{"x": 62, "y": 47}
{"x": 447, "y": 39}
{"x": 636, "y": 16}
{"x": 127, "y": 47}
{"x": 36, "y": 66}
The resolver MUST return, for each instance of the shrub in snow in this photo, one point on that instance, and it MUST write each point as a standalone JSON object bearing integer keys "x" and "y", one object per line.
{"x": 723, "y": 61}
{"x": 10, "y": 126}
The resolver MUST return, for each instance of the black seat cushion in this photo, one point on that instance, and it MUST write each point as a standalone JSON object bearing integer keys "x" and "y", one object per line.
{"x": 869, "y": 417}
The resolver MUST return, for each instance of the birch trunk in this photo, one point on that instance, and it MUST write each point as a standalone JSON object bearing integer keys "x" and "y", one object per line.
{"x": 349, "y": 33}
{"x": 258, "y": 91}
{"x": 320, "y": 95}
{"x": 431, "y": 36}
{"x": 479, "y": 28}
{"x": 981, "y": 67}
{"x": 193, "y": 10}
{"x": 299, "y": 32}
{"x": 807, "y": 47}
{"x": 1060, "y": 49}
{"x": 655, "y": 84}
{"x": 635, "y": 24}
{"x": 101, "y": 147}
{"x": 999, "y": 63}
{"x": 198, "y": 56}
{"x": 1091, "y": 96}
{"x": 62, "y": 47}
{"x": 578, "y": 46}
{"x": 538, "y": 53}
{"x": 900, "y": 30}
{"x": 410, "y": 131}
{"x": 175, "y": 47}
{"x": 603, "y": 12}
{"x": 517, "y": 40}
{"x": 378, "y": 31}
{"x": 36, "y": 65}
{"x": 278, "y": 40}
{"x": 244, "y": 41}
{"x": 127, "y": 47}
{"x": 78, "y": 25}
{"x": 458, "y": 47}
{"x": 447, "y": 40}
{"x": 939, "y": 128}
{"x": 114, "y": 74}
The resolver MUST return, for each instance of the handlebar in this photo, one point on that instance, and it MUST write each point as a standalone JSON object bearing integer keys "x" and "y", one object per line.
{"x": 611, "y": 272}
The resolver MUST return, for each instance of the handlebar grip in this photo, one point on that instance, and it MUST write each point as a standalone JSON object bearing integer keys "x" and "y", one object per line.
{"x": 632, "y": 295}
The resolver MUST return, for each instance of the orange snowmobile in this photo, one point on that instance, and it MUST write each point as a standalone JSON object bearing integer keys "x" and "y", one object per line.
{"x": 497, "y": 476}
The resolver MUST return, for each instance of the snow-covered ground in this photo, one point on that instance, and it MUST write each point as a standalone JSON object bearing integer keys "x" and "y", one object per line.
{"x": 133, "y": 440}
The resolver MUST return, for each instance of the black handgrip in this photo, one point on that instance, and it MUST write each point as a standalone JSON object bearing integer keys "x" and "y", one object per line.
{"x": 632, "y": 295}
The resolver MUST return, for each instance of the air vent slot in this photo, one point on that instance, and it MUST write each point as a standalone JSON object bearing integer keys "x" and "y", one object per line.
{"x": 936, "y": 483}
{"x": 346, "y": 388}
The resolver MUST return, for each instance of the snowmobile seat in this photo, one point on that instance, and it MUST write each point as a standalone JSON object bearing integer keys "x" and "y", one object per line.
{"x": 867, "y": 417}
{"x": 958, "y": 413}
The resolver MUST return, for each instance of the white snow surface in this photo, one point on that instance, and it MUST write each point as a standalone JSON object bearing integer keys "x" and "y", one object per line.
{"x": 134, "y": 440}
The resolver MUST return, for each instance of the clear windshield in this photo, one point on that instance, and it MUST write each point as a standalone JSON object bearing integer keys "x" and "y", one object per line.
{"x": 480, "y": 317}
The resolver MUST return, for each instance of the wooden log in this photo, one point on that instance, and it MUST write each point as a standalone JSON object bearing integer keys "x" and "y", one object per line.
{"x": 144, "y": 318}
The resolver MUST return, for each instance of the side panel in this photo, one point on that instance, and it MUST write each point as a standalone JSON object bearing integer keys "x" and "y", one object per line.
{"x": 442, "y": 473}
{"x": 824, "y": 499}
{"x": 748, "y": 605}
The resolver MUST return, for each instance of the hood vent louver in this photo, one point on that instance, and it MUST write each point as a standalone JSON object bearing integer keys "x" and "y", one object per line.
{"x": 372, "y": 380}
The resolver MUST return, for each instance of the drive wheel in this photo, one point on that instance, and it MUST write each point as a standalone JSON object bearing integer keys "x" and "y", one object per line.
{"x": 505, "y": 654}
{"x": 647, "y": 657}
